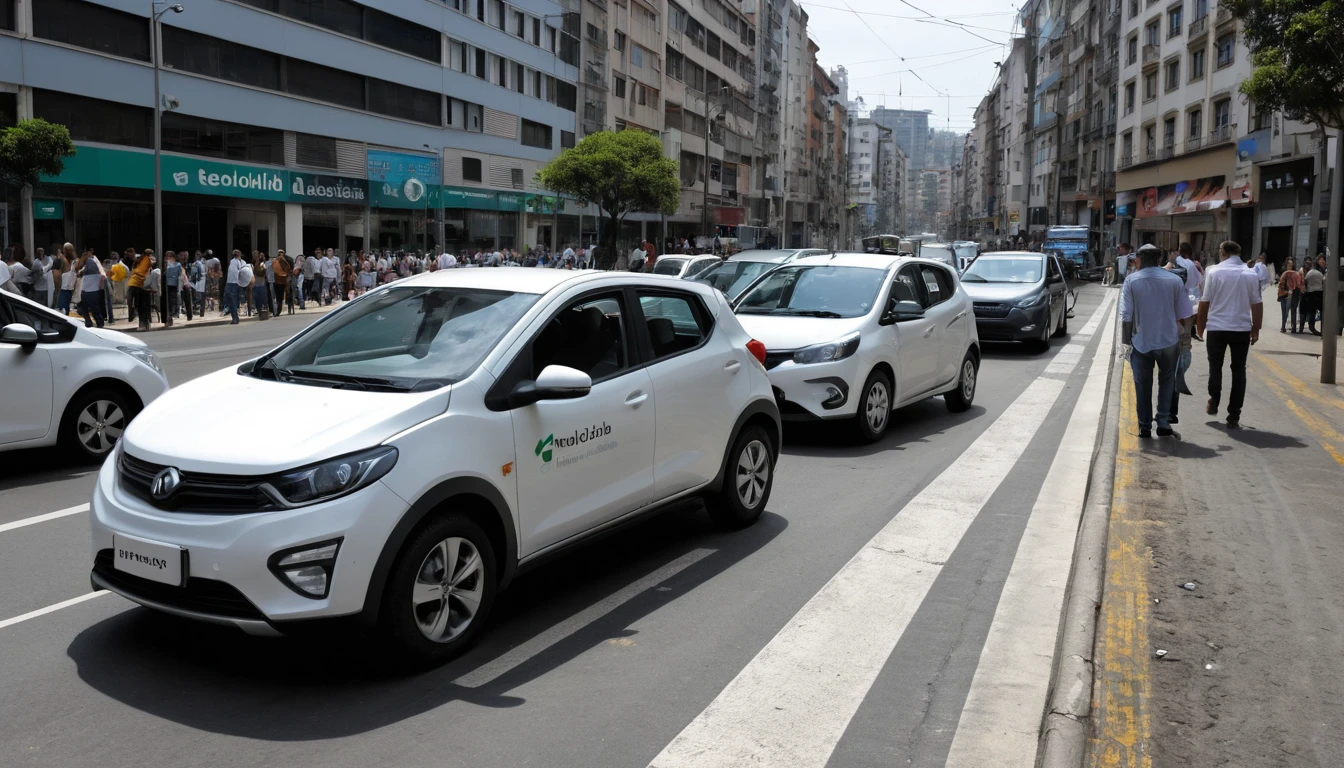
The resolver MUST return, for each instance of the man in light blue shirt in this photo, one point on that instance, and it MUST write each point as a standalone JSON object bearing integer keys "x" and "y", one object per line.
{"x": 1153, "y": 307}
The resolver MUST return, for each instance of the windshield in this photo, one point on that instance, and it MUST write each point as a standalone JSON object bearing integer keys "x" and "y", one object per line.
{"x": 668, "y": 266}
{"x": 733, "y": 277}
{"x": 999, "y": 269}
{"x": 820, "y": 291}
{"x": 403, "y": 338}
{"x": 942, "y": 253}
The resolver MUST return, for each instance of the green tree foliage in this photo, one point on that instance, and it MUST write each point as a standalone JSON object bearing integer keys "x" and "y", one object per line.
{"x": 1297, "y": 47}
{"x": 31, "y": 149}
{"x": 621, "y": 172}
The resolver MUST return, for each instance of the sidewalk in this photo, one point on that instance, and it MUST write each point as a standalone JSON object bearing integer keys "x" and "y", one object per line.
{"x": 211, "y": 318}
{"x": 1253, "y": 521}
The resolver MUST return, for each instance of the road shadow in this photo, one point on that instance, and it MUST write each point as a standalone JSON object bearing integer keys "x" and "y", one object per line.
{"x": 36, "y": 466}
{"x": 1166, "y": 447}
{"x": 219, "y": 680}
{"x": 1258, "y": 438}
{"x": 914, "y": 424}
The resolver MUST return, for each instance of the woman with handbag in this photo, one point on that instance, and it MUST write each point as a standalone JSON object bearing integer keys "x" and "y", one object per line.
{"x": 1290, "y": 294}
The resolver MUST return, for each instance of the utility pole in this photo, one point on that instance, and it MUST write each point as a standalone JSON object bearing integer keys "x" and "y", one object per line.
{"x": 157, "y": 41}
{"x": 1330, "y": 312}
{"x": 1028, "y": 135}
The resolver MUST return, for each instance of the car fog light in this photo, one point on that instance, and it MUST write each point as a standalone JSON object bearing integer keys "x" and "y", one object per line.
{"x": 307, "y": 569}
{"x": 1028, "y": 328}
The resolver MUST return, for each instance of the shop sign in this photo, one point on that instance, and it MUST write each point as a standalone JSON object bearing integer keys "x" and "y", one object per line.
{"x": 1242, "y": 191}
{"x": 729, "y": 216}
{"x": 317, "y": 188}
{"x": 476, "y": 199}
{"x": 403, "y": 180}
{"x": 1254, "y": 147}
{"x": 206, "y": 177}
{"x": 1204, "y": 194}
{"x": 104, "y": 167}
{"x": 543, "y": 204}
{"x": 1124, "y": 203}
{"x": 48, "y": 209}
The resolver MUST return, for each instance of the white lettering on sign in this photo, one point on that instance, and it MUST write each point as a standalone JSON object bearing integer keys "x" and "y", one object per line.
{"x": 263, "y": 181}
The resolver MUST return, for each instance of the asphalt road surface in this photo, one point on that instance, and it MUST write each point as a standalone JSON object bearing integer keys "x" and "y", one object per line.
{"x": 858, "y": 623}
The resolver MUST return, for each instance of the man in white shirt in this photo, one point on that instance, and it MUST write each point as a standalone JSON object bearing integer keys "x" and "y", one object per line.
{"x": 233, "y": 284}
{"x": 6, "y": 279}
{"x": 22, "y": 277}
{"x": 637, "y": 257}
{"x": 1194, "y": 279}
{"x": 447, "y": 261}
{"x": 1230, "y": 311}
{"x": 331, "y": 270}
{"x": 42, "y": 282}
{"x": 1262, "y": 270}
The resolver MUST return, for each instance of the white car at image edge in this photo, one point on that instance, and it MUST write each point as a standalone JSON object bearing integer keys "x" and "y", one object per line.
{"x": 450, "y": 430}
{"x": 854, "y": 336}
{"x": 68, "y": 384}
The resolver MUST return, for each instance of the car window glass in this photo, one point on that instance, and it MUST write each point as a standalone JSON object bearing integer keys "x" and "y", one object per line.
{"x": 906, "y": 287}
{"x": 48, "y": 326}
{"x": 673, "y": 322}
{"x": 587, "y": 336}
{"x": 934, "y": 285}
{"x": 815, "y": 289}
{"x": 666, "y": 266}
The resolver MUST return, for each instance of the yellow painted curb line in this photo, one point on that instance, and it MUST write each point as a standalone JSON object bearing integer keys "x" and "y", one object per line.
{"x": 1326, "y": 434}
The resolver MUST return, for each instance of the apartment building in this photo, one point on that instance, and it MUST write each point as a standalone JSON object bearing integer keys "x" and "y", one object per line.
{"x": 377, "y": 124}
{"x": 877, "y": 171}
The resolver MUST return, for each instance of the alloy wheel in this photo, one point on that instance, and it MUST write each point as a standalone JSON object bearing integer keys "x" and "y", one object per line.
{"x": 100, "y": 425}
{"x": 448, "y": 589}
{"x": 878, "y": 407}
{"x": 753, "y": 473}
{"x": 968, "y": 380}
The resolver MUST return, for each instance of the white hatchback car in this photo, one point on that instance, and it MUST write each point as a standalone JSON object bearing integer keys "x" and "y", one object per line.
{"x": 853, "y": 336}
{"x": 441, "y": 433}
{"x": 64, "y": 383}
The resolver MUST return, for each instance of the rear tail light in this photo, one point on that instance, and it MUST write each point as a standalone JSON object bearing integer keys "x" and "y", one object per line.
{"x": 757, "y": 350}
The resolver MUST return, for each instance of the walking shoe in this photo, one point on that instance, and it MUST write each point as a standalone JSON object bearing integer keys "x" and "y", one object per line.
{"x": 1167, "y": 432}
{"x": 1145, "y": 434}
{"x": 1212, "y": 408}
{"x": 1173, "y": 420}
{"x": 1233, "y": 422}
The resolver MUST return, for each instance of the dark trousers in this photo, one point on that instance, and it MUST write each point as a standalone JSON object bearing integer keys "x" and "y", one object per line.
{"x": 1218, "y": 343}
{"x": 91, "y": 308}
{"x": 232, "y": 294}
{"x": 174, "y": 301}
{"x": 1142, "y": 364}
{"x": 1288, "y": 306}
{"x": 284, "y": 298}
{"x": 139, "y": 300}
{"x": 1306, "y": 316}
{"x": 189, "y": 301}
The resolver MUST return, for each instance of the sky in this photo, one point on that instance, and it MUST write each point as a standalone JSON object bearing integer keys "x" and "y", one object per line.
{"x": 948, "y": 56}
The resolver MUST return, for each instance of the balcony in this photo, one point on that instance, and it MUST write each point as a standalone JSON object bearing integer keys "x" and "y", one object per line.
{"x": 1126, "y": 161}
{"x": 1194, "y": 143}
{"x": 1068, "y": 183}
{"x": 1106, "y": 73}
{"x": 1223, "y": 16}
{"x": 1220, "y": 135}
{"x": 1168, "y": 150}
{"x": 1151, "y": 55}
{"x": 1199, "y": 29}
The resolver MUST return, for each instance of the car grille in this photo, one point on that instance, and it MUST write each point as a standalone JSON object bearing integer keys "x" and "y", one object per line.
{"x": 773, "y": 359}
{"x": 991, "y": 309}
{"x": 207, "y": 596}
{"x": 198, "y": 491}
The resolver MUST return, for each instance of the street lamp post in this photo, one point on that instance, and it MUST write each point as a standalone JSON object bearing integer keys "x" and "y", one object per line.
{"x": 156, "y": 41}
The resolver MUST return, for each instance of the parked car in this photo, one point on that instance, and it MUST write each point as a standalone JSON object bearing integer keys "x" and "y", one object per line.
{"x": 65, "y": 383}
{"x": 943, "y": 252}
{"x": 1018, "y": 296}
{"x": 459, "y": 427}
{"x": 684, "y": 266}
{"x": 854, "y": 336}
{"x": 734, "y": 275}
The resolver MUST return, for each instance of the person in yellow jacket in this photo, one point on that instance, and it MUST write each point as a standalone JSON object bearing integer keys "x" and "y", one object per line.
{"x": 118, "y": 274}
{"x": 137, "y": 293}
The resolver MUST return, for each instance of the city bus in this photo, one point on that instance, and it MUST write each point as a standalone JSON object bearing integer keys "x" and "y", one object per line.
{"x": 894, "y": 245}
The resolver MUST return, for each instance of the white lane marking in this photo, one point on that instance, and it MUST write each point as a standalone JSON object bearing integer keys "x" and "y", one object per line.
{"x": 1000, "y": 722}
{"x": 44, "y": 518}
{"x": 1069, "y": 355}
{"x": 535, "y": 645}
{"x": 50, "y": 609}
{"x": 792, "y": 703}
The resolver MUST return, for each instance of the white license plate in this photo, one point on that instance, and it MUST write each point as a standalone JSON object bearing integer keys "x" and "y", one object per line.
{"x": 151, "y": 560}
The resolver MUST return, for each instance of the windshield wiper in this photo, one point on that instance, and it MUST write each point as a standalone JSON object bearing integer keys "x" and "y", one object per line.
{"x": 755, "y": 311}
{"x": 345, "y": 380}
{"x": 278, "y": 372}
{"x": 811, "y": 313}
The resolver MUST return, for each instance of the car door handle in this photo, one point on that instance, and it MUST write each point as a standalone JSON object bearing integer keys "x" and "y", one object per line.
{"x": 958, "y": 317}
{"x": 732, "y": 366}
{"x": 929, "y": 332}
{"x": 635, "y": 398}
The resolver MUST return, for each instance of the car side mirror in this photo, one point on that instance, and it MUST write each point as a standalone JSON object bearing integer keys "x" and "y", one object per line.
{"x": 556, "y": 382}
{"x": 901, "y": 311}
{"x": 18, "y": 333}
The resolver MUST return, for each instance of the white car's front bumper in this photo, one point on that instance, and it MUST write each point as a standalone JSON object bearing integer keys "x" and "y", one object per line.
{"x": 818, "y": 390}
{"x": 228, "y": 578}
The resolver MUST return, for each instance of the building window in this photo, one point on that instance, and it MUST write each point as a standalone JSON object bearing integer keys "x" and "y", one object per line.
{"x": 536, "y": 31}
{"x": 519, "y": 75}
{"x": 1226, "y": 47}
{"x": 1197, "y": 65}
{"x": 1195, "y": 123}
{"x": 1173, "y": 74}
{"x": 88, "y": 119}
{"x": 1132, "y": 50}
{"x": 1150, "y": 86}
{"x": 354, "y": 20}
{"x": 519, "y": 24}
{"x": 405, "y": 102}
{"x": 1201, "y": 9}
{"x": 618, "y": 41}
{"x": 501, "y": 72}
{"x": 1222, "y": 112}
{"x": 637, "y": 56}
{"x": 620, "y": 87}
{"x": 315, "y": 151}
{"x": 314, "y": 81}
{"x": 94, "y": 27}
{"x": 480, "y": 10}
{"x": 1169, "y": 132}
{"x": 1152, "y": 33}
{"x": 400, "y": 35}
{"x": 566, "y": 139}
{"x": 481, "y": 71}
{"x": 536, "y": 134}
{"x": 1133, "y": 9}
{"x": 9, "y": 110}
{"x": 1127, "y": 147}
{"x": 1174, "y": 22}
{"x": 471, "y": 169}
{"x": 500, "y": 15}
{"x": 1129, "y": 98}
{"x": 215, "y": 138}
{"x": 220, "y": 59}
{"x": 7, "y": 14}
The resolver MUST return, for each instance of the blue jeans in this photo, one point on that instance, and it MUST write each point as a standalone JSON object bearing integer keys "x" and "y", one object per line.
{"x": 63, "y": 301}
{"x": 231, "y": 298}
{"x": 1142, "y": 365}
{"x": 91, "y": 308}
{"x": 260, "y": 298}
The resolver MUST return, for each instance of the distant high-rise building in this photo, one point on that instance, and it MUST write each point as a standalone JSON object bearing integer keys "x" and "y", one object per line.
{"x": 910, "y": 130}
{"x": 944, "y": 148}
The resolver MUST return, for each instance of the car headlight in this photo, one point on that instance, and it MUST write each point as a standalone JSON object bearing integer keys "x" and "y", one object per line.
{"x": 330, "y": 479}
{"x": 825, "y": 353}
{"x": 1035, "y": 300}
{"x": 144, "y": 355}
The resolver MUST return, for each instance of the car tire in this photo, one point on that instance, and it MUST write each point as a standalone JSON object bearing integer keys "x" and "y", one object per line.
{"x": 874, "y": 414}
{"x": 1042, "y": 344}
{"x": 747, "y": 481}
{"x": 1063, "y": 329}
{"x": 416, "y": 631}
{"x": 959, "y": 400}
{"x": 94, "y": 421}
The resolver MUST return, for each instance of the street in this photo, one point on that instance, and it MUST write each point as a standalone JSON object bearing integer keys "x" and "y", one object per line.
{"x": 896, "y": 604}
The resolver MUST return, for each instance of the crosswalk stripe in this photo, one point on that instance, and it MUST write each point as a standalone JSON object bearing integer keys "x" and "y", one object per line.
{"x": 791, "y": 704}
{"x": 75, "y": 510}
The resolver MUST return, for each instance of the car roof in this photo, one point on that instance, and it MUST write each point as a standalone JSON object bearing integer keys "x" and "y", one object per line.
{"x": 1015, "y": 254}
{"x": 537, "y": 280}
{"x": 854, "y": 259}
{"x": 759, "y": 254}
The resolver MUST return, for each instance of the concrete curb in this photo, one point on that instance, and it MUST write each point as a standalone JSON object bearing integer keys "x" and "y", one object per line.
{"x": 155, "y": 327}
{"x": 1067, "y": 724}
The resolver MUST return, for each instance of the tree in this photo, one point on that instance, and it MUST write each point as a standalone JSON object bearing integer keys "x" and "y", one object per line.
{"x": 32, "y": 149}
{"x": 1296, "y": 50}
{"x": 621, "y": 172}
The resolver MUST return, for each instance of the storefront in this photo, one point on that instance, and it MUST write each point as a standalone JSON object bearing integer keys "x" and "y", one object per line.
{"x": 480, "y": 219}
{"x": 335, "y": 210}
{"x": 1193, "y": 211}
{"x": 1284, "y": 198}
{"x": 404, "y": 199}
